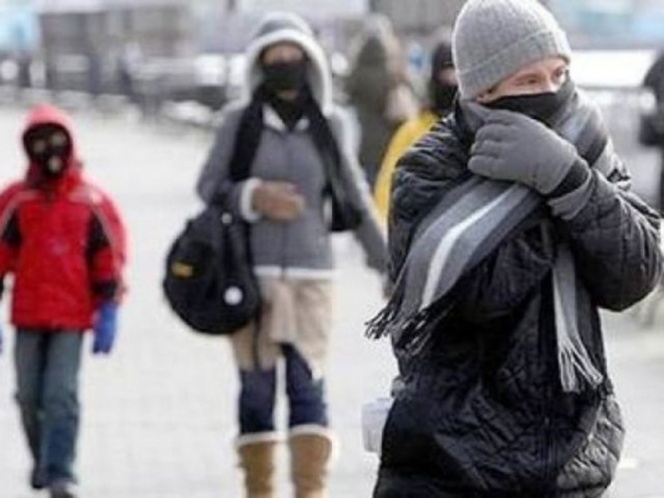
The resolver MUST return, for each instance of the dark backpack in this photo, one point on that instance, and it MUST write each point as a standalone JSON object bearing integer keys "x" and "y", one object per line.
{"x": 209, "y": 280}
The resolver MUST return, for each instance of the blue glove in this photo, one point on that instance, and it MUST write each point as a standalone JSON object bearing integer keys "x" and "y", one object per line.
{"x": 105, "y": 328}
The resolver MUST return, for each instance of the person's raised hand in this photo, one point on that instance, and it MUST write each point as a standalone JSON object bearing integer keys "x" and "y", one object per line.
{"x": 278, "y": 201}
{"x": 511, "y": 146}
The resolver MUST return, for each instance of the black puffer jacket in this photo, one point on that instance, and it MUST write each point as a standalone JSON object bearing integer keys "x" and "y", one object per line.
{"x": 482, "y": 413}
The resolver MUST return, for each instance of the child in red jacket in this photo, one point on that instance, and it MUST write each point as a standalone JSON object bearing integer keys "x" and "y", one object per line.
{"x": 63, "y": 241}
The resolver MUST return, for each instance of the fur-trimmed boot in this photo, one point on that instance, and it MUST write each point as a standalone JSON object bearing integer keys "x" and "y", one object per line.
{"x": 256, "y": 453}
{"x": 311, "y": 450}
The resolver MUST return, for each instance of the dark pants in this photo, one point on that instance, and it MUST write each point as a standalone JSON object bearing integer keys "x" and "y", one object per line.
{"x": 47, "y": 366}
{"x": 306, "y": 397}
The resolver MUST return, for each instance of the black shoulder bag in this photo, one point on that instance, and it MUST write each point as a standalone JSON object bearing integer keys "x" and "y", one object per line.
{"x": 209, "y": 281}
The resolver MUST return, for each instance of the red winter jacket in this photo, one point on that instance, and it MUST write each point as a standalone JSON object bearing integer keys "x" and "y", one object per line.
{"x": 63, "y": 240}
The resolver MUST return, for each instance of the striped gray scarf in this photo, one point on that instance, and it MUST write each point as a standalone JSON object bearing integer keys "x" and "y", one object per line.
{"x": 469, "y": 223}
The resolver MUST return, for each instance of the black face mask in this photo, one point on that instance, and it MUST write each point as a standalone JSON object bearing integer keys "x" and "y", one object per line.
{"x": 285, "y": 76}
{"x": 290, "y": 111}
{"x": 442, "y": 97}
{"x": 49, "y": 147}
{"x": 543, "y": 107}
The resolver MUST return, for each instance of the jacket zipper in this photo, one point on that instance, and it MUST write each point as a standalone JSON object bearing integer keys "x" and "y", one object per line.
{"x": 548, "y": 453}
{"x": 549, "y": 351}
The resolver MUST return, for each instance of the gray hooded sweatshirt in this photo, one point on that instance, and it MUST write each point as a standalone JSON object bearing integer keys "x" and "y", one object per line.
{"x": 300, "y": 248}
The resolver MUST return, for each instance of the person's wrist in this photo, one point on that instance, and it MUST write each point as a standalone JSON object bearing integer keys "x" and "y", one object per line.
{"x": 575, "y": 176}
{"x": 107, "y": 314}
{"x": 109, "y": 305}
{"x": 249, "y": 201}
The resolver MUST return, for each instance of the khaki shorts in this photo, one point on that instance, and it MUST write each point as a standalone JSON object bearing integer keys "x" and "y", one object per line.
{"x": 295, "y": 311}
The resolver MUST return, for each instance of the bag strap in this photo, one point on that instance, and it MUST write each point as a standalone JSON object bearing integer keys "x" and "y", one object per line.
{"x": 247, "y": 139}
{"x": 328, "y": 148}
{"x": 246, "y": 143}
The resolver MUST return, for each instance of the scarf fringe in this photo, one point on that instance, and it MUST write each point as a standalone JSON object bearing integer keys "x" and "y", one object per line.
{"x": 384, "y": 321}
{"x": 410, "y": 333}
{"x": 574, "y": 361}
{"x": 377, "y": 327}
{"x": 573, "y": 358}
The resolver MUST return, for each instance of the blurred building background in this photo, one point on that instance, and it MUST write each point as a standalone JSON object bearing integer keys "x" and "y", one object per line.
{"x": 153, "y": 52}
{"x": 612, "y": 23}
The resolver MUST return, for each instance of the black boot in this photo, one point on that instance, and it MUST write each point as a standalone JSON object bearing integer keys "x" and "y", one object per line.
{"x": 37, "y": 478}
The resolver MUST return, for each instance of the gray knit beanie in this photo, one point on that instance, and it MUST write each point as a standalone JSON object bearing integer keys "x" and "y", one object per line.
{"x": 493, "y": 39}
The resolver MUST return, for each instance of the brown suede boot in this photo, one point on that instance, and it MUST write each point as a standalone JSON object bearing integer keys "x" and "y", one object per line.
{"x": 257, "y": 461}
{"x": 310, "y": 454}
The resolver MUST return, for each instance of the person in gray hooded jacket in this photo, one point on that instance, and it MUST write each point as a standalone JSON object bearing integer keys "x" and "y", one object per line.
{"x": 303, "y": 184}
{"x": 512, "y": 223}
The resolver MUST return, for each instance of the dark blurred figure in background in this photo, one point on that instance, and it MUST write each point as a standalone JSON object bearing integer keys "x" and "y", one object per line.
{"x": 654, "y": 80}
{"x": 51, "y": 72}
{"x": 94, "y": 75}
{"x": 128, "y": 63}
{"x": 378, "y": 88}
{"x": 441, "y": 91}
{"x": 24, "y": 62}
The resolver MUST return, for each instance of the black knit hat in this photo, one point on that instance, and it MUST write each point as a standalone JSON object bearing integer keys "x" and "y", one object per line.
{"x": 441, "y": 58}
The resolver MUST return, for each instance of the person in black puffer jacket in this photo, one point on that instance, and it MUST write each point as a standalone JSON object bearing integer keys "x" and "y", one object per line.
{"x": 511, "y": 225}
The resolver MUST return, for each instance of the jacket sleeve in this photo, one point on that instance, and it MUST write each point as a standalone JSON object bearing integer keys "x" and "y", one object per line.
{"x": 107, "y": 251}
{"x": 214, "y": 176}
{"x": 369, "y": 234}
{"x": 615, "y": 239}
{"x": 10, "y": 236}
{"x": 10, "y": 239}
